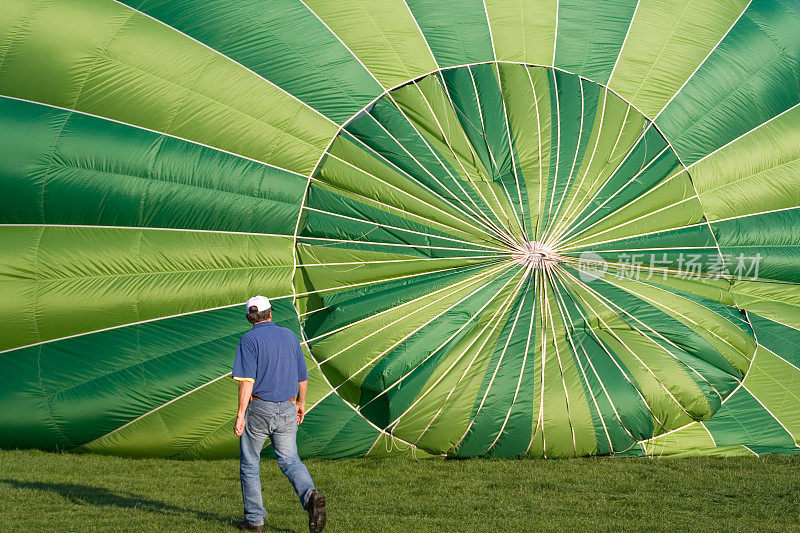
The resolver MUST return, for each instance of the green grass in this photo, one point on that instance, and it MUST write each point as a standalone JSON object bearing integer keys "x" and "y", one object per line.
{"x": 70, "y": 492}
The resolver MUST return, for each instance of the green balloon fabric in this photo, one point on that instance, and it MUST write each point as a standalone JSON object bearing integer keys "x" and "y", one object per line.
{"x": 500, "y": 229}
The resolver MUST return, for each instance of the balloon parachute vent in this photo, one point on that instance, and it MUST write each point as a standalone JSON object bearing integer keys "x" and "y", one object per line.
{"x": 535, "y": 254}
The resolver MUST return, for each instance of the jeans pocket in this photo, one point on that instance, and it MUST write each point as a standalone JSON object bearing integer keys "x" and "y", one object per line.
{"x": 256, "y": 422}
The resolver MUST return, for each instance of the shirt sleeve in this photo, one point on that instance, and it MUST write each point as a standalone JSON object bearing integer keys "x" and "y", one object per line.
{"x": 302, "y": 371}
{"x": 244, "y": 364}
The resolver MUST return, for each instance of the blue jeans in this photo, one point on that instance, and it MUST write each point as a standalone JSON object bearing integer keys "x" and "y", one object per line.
{"x": 278, "y": 422}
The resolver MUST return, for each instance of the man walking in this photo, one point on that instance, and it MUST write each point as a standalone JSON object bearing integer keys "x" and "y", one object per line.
{"x": 271, "y": 371}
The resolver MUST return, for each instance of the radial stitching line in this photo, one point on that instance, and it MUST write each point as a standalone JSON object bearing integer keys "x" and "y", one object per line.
{"x": 401, "y": 171}
{"x": 568, "y": 210}
{"x": 488, "y": 149}
{"x": 143, "y": 128}
{"x": 559, "y": 275}
{"x": 449, "y": 289}
{"x": 599, "y": 341}
{"x": 479, "y": 216}
{"x": 402, "y": 191}
{"x": 584, "y": 204}
{"x": 632, "y": 352}
{"x": 504, "y": 231}
{"x": 527, "y": 277}
{"x": 398, "y": 228}
{"x": 525, "y": 230}
{"x": 477, "y": 313}
{"x": 558, "y": 358}
{"x": 703, "y": 61}
{"x": 606, "y": 301}
{"x": 534, "y": 275}
{"x": 568, "y": 334}
{"x": 412, "y": 333}
{"x": 290, "y": 95}
{"x": 496, "y": 318}
{"x": 567, "y": 233}
{"x": 458, "y": 160}
{"x": 574, "y": 160}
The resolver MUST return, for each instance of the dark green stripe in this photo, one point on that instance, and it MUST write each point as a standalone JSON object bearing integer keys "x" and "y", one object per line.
{"x": 78, "y": 389}
{"x": 753, "y": 75}
{"x": 280, "y": 40}
{"x": 590, "y": 35}
{"x": 67, "y": 168}
{"x": 456, "y": 34}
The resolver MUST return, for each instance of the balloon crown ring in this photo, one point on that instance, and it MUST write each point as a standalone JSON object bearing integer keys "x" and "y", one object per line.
{"x": 535, "y": 254}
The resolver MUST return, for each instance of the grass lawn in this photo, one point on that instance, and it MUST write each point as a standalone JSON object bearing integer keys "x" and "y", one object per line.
{"x": 69, "y": 492}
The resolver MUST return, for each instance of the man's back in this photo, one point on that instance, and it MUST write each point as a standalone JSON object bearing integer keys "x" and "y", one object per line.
{"x": 271, "y": 356}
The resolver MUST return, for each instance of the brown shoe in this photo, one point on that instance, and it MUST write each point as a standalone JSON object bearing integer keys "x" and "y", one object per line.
{"x": 316, "y": 512}
{"x": 247, "y": 526}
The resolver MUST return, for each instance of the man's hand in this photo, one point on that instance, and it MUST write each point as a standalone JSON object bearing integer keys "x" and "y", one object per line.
{"x": 301, "y": 411}
{"x": 238, "y": 429}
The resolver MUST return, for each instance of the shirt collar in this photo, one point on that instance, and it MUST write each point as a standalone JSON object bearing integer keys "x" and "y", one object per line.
{"x": 260, "y": 324}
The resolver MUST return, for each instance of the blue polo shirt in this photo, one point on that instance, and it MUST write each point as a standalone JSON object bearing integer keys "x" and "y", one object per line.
{"x": 270, "y": 357}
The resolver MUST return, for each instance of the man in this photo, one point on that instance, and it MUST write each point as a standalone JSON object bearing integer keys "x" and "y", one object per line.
{"x": 271, "y": 372}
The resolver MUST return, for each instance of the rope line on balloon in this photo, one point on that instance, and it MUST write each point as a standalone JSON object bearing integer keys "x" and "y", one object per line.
{"x": 568, "y": 210}
{"x": 449, "y": 290}
{"x": 428, "y": 221}
{"x": 611, "y": 357}
{"x": 534, "y": 275}
{"x": 568, "y": 331}
{"x": 619, "y": 311}
{"x": 624, "y": 42}
{"x": 576, "y": 231}
{"x": 333, "y": 241}
{"x": 497, "y": 319}
{"x": 518, "y": 214}
{"x": 450, "y": 338}
{"x": 741, "y": 384}
{"x": 157, "y": 132}
{"x": 573, "y": 225}
{"x": 551, "y": 316}
{"x": 466, "y": 268}
{"x": 699, "y": 65}
{"x": 387, "y": 280}
{"x": 572, "y": 338}
{"x": 582, "y": 241}
{"x": 554, "y": 179}
{"x": 569, "y": 220}
{"x": 536, "y": 229}
{"x": 398, "y": 228}
{"x": 488, "y": 230}
{"x": 622, "y": 342}
{"x": 482, "y": 133}
{"x": 507, "y": 120}
{"x": 480, "y": 217}
{"x": 226, "y": 57}
{"x": 505, "y": 227}
{"x": 392, "y": 186}
{"x": 543, "y": 364}
{"x": 503, "y": 232}
{"x": 570, "y": 176}
{"x": 530, "y": 274}
{"x": 414, "y": 331}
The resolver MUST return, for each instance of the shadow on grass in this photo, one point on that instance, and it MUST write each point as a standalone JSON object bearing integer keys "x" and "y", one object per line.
{"x": 99, "y": 497}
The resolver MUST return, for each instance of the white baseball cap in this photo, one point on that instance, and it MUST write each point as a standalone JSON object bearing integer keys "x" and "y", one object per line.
{"x": 260, "y": 302}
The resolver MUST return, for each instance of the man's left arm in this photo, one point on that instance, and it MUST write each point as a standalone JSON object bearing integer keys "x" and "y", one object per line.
{"x": 302, "y": 383}
{"x": 301, "y": 400}
{"x": 245, "y": 391}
